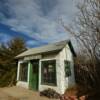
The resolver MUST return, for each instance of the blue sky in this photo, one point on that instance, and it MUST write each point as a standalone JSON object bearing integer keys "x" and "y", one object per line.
{"x": 36, "y": 21}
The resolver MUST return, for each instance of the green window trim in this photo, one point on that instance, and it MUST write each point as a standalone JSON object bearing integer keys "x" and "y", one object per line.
{"x": 48, "y": 72}
{"x": 67, "y": 65}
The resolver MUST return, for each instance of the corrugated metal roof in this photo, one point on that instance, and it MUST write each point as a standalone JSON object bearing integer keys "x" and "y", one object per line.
{"x": 43, "y": 49}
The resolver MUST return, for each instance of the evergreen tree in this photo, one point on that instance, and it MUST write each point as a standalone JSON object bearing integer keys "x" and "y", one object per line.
{"x": 8, "y": 64}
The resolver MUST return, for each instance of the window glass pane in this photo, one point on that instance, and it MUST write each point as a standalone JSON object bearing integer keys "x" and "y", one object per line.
{"x": 67, "y": 68}
{"x": 48, "y": 72}
{"x": 23, "y": 72}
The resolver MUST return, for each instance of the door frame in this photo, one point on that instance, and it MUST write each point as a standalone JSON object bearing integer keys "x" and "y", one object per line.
{"x": 31, "y": 73}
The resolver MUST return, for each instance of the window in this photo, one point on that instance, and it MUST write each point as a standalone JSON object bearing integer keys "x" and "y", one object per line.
{"x": 48, "y": 69}
{"x": 23, "y": 71}
{"x": 67, "y": 68}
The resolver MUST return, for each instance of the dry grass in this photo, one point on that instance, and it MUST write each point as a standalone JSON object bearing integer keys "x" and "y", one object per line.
{"x": 71, "y": 91}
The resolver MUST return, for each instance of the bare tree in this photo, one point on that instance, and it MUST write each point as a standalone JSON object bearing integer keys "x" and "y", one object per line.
{"x": 86, "y": 30}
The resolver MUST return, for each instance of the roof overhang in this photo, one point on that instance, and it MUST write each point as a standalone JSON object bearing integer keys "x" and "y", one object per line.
{"x": 47, "y": 49}
{"x": 72, "y": 49}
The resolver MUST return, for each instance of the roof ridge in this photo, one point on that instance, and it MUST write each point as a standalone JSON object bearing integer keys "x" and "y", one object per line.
{"x": 55, "y": 43}
{"x": 46, "y": 48}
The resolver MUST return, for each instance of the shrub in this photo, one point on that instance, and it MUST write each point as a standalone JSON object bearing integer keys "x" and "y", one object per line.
{"x": 50, "y": 93}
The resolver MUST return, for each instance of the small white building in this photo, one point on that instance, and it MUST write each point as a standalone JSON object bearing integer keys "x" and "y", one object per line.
{"x": 49, "y": 66}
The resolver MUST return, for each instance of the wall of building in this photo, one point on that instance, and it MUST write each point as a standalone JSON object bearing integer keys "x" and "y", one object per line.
{"x": 21, "y": 83}
{"x": 70, "y": 79}
{"x": 58, "y": 73}
{"x": 66, "y": 54}
{"x": 59, "y": 78}
{"x": 62, "y": 81}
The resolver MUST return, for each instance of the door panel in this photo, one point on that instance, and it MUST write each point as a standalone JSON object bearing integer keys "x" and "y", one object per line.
{"x": 34, "y": 74}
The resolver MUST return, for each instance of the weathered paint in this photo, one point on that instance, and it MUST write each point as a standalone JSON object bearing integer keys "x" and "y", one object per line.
{"x": 32, "y": 57}
{"x": 21, "y": 83}
{"x": 33, "y": 77}
{"x": 62, "y": 81}
{"x": 18, "y": 69}
{"x": 66, "y": 54}
{"x": 71, "y": 79}
{"x": 43, "y": 87}
{"x": 29, "y": 68}
{"x": 30, "y": 75}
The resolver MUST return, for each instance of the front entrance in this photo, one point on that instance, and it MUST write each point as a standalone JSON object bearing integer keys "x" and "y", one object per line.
{"x": 34, "y": 74}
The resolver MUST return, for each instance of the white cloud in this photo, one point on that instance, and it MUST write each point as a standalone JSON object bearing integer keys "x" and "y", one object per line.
{"x": 27, "y": 14}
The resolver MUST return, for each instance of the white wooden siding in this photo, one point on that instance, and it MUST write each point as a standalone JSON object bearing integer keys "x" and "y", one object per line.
{"x": 62, "y": 81}
{"x": 21, "y": 83}
{"x": 67, "y": 82}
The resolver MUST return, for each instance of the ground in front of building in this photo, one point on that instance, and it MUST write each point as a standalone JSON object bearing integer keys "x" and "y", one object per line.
{"x": 19, "y": 93}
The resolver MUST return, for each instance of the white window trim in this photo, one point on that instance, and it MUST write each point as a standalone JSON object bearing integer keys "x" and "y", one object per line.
{"x": 41, "y": 69}
{"x": 18, "y": 72}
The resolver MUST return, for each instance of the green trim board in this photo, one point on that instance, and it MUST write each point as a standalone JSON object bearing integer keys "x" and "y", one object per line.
{"x": 67, "y": 65}
{"x": 33, "y": 74}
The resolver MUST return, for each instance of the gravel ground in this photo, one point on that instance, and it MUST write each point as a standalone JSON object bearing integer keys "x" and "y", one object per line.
{"x": 18, "y": 93}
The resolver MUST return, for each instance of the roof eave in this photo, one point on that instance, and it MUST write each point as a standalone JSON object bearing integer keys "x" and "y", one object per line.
{"x": 72, "y": 49}
{"x": 18, "y": 57}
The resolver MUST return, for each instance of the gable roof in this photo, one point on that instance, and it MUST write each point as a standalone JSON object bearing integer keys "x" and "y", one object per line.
{"x": 47, "y": 48}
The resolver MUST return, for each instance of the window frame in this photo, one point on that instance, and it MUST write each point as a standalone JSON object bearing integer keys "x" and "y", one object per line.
{"x": 66, "y": 73}
{"x": 45, "y": 83}
{"x": 20, "y": 70}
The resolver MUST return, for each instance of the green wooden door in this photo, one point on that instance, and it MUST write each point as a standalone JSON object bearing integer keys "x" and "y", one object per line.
{"x": 33, "y": 81}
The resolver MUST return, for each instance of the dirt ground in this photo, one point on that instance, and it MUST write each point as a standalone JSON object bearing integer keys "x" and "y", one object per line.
{"x": 19, "y": 93}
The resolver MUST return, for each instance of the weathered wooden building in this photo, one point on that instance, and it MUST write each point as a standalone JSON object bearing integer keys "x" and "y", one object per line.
{"x": 49, "y": 66}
